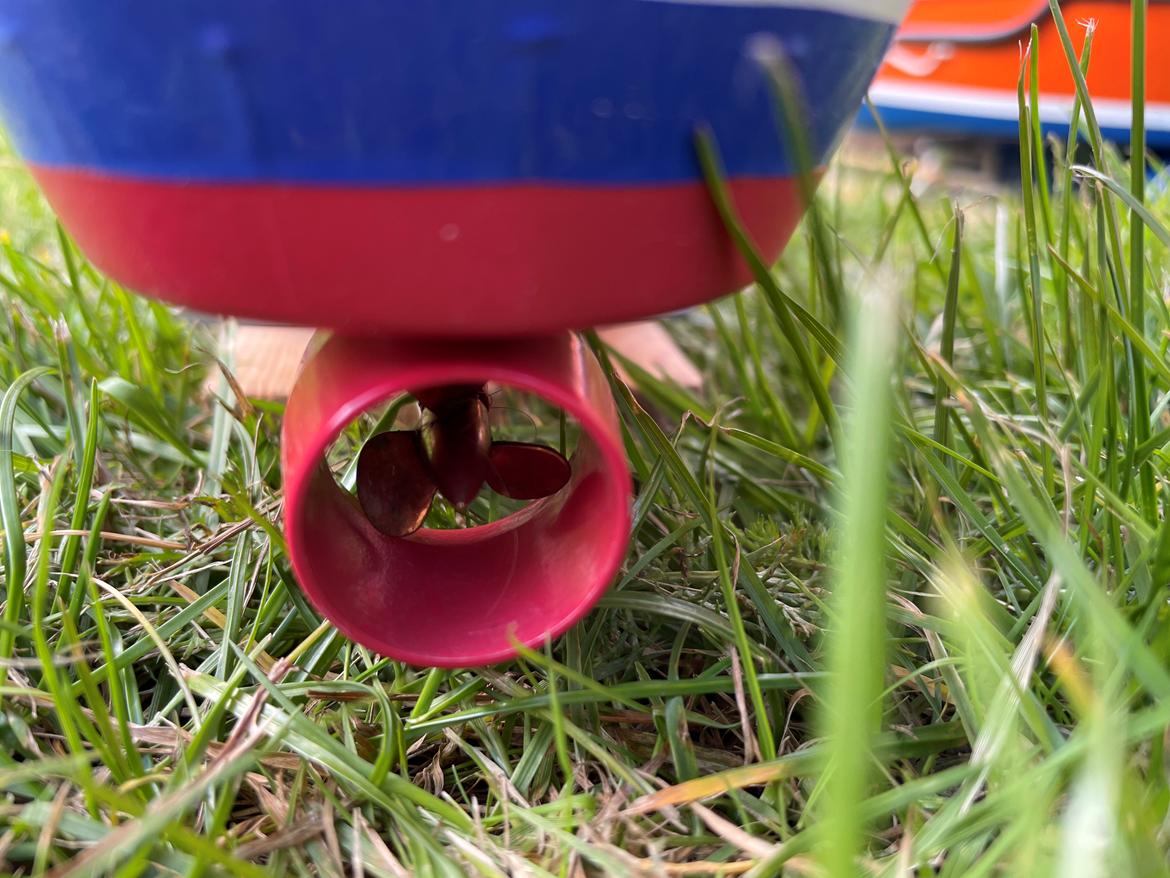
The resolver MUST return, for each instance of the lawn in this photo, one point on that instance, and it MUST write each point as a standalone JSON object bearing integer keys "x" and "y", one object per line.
{"x": 895, "y": 604}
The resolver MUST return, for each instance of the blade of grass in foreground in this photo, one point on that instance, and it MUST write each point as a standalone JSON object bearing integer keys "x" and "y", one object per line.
{"x": 1137, "y": 244}
{"x": 713, "y": 174}
{"x": 857, "y": 647}
{"x": 1028, "y": 173}
{"x": 15, "y": 557}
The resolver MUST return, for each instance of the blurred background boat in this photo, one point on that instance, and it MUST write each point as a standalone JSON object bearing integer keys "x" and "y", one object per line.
{"x": 953, "y": 71}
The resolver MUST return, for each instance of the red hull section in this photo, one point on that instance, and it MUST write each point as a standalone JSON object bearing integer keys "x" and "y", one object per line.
{"x": 458, "y": 261}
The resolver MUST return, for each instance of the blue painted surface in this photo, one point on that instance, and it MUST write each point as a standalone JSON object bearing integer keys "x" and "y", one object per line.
{"x": 417, "y": 91}
{"x": 902, "y": 119}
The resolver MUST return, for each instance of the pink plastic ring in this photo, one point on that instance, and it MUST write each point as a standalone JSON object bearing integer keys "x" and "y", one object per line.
{"x": 454, "y": 598}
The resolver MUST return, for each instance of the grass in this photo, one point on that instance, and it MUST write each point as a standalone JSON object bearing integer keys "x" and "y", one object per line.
{"x": 895, "y": 604}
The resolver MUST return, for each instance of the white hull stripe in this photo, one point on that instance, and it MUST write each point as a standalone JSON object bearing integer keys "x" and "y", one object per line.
{"x": 991, "y": 104}
{"x": 890, "y": 11}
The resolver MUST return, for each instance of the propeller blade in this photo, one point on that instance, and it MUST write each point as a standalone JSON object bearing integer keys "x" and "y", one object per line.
{"x": 394, "y": 486}
{"x": 523, "y": 471}
{"x": 460, "y": 439}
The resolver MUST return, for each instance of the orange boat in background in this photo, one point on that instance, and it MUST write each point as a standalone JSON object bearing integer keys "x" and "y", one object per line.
{"x": 955, "y": 66}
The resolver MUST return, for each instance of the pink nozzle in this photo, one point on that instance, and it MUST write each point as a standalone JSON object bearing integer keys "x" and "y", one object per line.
{"x": 454, "y": 598}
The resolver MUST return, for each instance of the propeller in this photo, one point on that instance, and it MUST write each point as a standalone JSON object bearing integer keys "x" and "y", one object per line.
{"x": 398, "y": 476}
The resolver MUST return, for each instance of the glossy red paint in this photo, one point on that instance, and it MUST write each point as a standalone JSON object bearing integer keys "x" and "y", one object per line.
{"x": 478, "y": 261}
